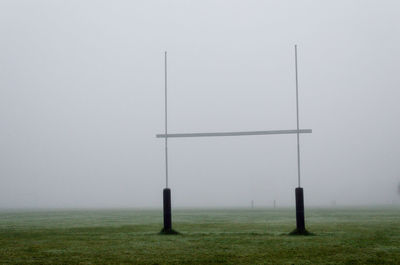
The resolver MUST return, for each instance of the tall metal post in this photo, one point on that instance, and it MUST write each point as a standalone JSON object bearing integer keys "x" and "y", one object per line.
{"x": 166, "y": 192}
{"x": 300, "y": 220}
{"x": 297, "y": 117}
{"x": 166, "y": 118}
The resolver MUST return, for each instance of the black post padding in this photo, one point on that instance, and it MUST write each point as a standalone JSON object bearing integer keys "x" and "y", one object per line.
{"x": 167, "y": 210}
{"x": 300, "y": 222}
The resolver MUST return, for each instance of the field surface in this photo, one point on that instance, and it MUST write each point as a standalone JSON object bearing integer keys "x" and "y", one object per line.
{"x": 259, "y": 236}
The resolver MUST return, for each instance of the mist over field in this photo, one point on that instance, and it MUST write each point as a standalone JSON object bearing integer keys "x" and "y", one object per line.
{"x": 82, "y": 98}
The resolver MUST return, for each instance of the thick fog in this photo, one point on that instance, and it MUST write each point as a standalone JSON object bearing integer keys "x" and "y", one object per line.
{"x": 82, "y": 98}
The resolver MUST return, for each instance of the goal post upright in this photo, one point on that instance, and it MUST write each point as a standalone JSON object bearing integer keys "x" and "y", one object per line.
{"x": 167, "y": 213}
{"x": 299, "y": 192}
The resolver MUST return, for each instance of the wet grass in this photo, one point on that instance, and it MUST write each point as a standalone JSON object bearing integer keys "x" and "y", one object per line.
{"x": 260, "y": 236}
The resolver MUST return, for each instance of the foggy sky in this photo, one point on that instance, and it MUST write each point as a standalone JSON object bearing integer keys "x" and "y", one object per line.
{"x": 82, "y": 97}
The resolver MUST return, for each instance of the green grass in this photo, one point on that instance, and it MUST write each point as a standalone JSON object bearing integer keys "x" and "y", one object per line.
{"x": 260, "y": 236}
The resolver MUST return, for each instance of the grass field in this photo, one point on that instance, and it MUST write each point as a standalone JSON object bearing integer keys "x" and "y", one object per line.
{"x": 259, "y": 236}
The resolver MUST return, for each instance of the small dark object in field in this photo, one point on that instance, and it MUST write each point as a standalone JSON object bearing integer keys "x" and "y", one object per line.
{"x": 304, "y": 232}
{"x": 169, "y": 232}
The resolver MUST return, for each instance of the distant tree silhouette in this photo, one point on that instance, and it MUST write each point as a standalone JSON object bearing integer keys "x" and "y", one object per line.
{"x": 398, "y": 189}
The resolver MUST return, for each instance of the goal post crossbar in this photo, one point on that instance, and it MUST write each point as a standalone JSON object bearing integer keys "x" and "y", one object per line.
{"x": 248, "y": 133}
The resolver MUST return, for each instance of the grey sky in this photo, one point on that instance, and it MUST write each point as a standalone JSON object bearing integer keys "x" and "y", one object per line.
{"x": 81, "y": 99}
